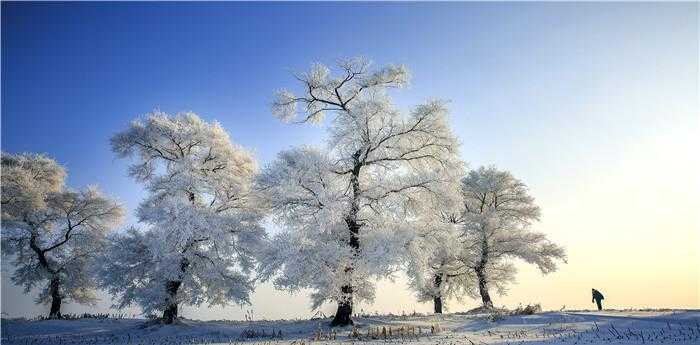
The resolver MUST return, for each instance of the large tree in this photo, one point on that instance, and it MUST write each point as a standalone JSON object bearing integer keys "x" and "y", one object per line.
{"x": 202, "y": 221}
{"x": 497, "y": 217}
{"x": 342, "y": 208}
{"x": 52, "y": 232}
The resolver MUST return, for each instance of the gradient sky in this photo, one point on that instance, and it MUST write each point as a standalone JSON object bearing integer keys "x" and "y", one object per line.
{"x": 594, "y": 106}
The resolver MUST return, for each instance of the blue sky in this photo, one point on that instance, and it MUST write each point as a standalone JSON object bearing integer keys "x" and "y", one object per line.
{"x": 573, "y": 98}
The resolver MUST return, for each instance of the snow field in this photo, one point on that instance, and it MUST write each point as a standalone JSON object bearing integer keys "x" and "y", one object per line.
{"x": 680, "y": 327}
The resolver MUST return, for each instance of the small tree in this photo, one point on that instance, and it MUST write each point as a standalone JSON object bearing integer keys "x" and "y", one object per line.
{"x": 435, "y": 269}
{"x": 52, "y": 232}
{"x": 202, "y": 220}
{"x": 498, "y": 212}
{"x": 342, "y": 208}
{"x": 433, "y": 250}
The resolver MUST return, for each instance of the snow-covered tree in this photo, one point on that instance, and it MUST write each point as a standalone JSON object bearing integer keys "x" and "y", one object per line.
{"x": 202, "y": 221}
{"x": 342, "y": 209}
{"x": 497, "y": 215}
{"x": 52, "y": 232}
{"x": 434, "y": 265}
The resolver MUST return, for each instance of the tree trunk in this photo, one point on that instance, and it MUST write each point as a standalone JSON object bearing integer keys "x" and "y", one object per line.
{"x": 171, "y": 287}
{"x": 437, "y": 305}
{"x": 170, "y": 311}
{"x": 437, "y": 299}
{"x": 54, "y": 284}
{"x": 483, "y": 289}
{"x": 481, "y": 275}
{"x": 55, "y": 289}
{"x": 343, "y": 316}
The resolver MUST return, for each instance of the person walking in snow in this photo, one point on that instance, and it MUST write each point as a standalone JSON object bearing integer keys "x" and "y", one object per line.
{"x": 597, "y": 297}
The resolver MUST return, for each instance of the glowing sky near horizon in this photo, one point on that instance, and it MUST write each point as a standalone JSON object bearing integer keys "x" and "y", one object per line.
{"x": 594, "y": 106}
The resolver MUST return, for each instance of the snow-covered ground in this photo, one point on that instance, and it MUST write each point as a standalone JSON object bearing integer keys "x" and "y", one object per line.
{"x": 611, "y": 327}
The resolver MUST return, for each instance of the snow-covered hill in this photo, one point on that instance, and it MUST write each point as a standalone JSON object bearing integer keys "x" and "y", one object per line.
{"x": 679, "y": 327}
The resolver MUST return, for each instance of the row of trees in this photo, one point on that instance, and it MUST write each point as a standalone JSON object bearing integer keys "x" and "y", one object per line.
{"x": 388, "y": 192}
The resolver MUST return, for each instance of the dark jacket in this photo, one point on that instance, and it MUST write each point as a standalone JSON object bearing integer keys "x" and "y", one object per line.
{"x": 597, "y": 295}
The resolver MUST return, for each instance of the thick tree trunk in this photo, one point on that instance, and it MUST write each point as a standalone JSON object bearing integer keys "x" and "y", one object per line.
{"x": 437, "y": 305}
{"x": 343, "y": 316}
{"x": 170, "y": 311}
{"x": 171, "y": 287}
{"x": 55, "y": 289}
{"x": 437, "y": 299}
{"x": 483, "y": 289}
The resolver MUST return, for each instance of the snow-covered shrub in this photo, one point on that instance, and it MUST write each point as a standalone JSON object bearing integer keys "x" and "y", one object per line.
{"x": 529, "y": 309}
{"x": 496, "y": 314}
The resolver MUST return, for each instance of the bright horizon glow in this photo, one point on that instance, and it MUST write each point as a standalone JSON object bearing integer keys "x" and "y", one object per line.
{"x": 593, "y": 106}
